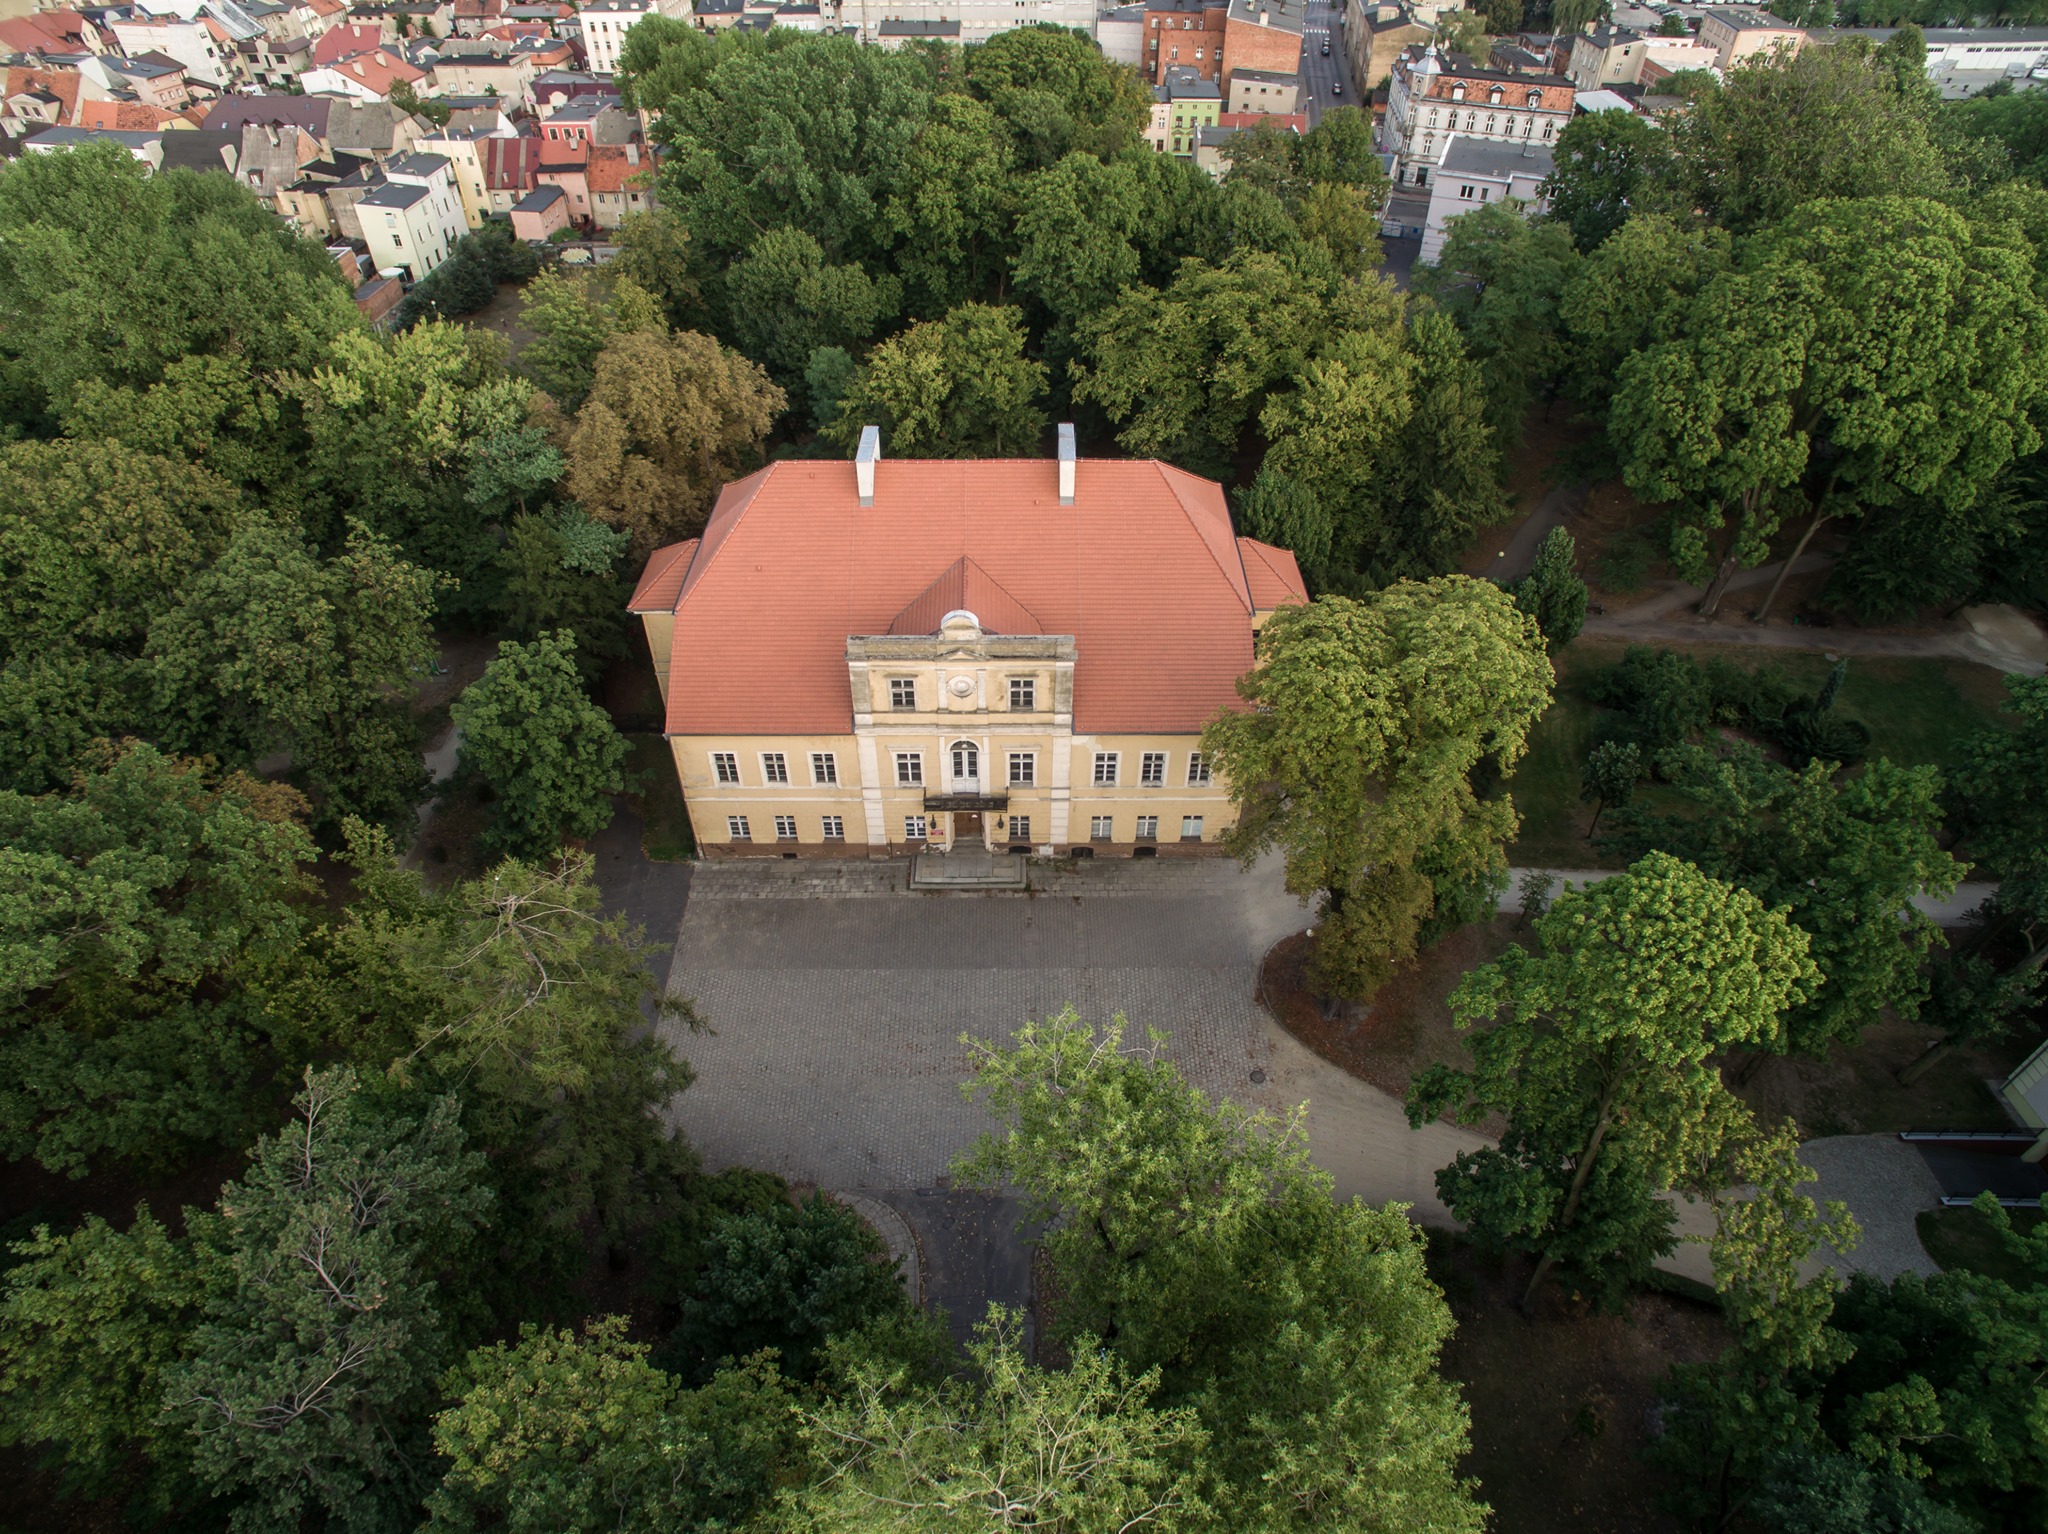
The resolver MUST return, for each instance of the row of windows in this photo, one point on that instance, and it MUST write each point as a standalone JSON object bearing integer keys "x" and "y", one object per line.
{"x": 1023, "y": 766}
{"x": 903, "y": 692}
{"x": 1101, "y": 828}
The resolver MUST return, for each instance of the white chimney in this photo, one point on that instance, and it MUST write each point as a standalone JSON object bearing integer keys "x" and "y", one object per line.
{"x": 1067, "y": 463}
{"x": 1265, "y": 18}
{"x": 865, "y": 460}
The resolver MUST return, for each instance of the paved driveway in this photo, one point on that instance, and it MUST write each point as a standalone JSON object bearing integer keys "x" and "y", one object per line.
{"x": 837, "y": 999}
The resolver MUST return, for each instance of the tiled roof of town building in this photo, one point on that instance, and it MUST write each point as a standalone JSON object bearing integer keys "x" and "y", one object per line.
{"x": 618, "y": 167}
{"x": 129, "y": 116}
{"x": 345, "y": 42}
{"x": 61, "y": 84}
{"x": 1143, "y": 570}
{"x": 966, "y": 587}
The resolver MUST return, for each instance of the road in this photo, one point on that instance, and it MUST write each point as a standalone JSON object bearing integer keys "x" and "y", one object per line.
{"x": 1318, "y": 73}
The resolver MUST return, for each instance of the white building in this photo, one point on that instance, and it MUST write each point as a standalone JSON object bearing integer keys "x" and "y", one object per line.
{"x": 979, "y": 19}
{"x": 1433, "y": 98}
{"x": 414, "y": 219}
{"x": 202, "y": 37}
{"x": 1474, "y": 173}
{"x": 1120, "y": 34}
{"x": 606, "y": 23}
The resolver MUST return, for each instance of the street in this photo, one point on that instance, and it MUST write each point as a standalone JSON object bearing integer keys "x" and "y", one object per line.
{"x": 1319, "y": 73}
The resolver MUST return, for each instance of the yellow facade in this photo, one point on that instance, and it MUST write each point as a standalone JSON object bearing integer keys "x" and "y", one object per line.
{"x": 964, "y": 737}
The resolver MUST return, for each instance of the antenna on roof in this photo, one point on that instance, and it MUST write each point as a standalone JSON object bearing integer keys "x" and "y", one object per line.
{"x": 864, "y": 461}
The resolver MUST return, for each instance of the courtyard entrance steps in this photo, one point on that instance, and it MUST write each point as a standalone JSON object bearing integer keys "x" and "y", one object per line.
{"x": 968, "y": 870}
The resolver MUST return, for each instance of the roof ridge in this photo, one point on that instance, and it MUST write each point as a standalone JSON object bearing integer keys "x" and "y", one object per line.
{"x": 1242, "y": 585}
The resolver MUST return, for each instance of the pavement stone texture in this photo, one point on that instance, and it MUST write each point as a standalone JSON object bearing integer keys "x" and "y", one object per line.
{"x": 836, "y": 1000}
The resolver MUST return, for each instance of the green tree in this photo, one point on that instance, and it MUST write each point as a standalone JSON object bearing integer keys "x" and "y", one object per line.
{"x": 570, "y": 324}
{"x": 1843, "y": 860}
{"x": 1080, "y": 1450}
{"x": 1502, "y": 277}
{"x": 132, "y": 910}
{"x": 1552, "y": 592}
{"x": 1275, "y": 510}
{"x": 961, "y": 387}
{"x": 950, "y": 214}
{"x": 1609, "y": 777}
{"x": 670, "y": 419}
{"x": 559, "y": 1432}
{"x": 1787, "y": 129}
{"x": 1087, "y": 230}
{"x": 654, "y": 258}
{"x": 788, "y": 1278}
{"x": 1599, "y": 1058}
{"x": 304, "y": 1382}
{"x": 1608, "y": 165}
{"x": 517, "y": 992}
{"x": 274, "y": 649}
{"x": 89, "y": 1322}
{"x": 549, "y": 756}
{"x": 1197, "y": 1238}
{"x": 1366, "y": 721}
{"x": 1337, "y": 429}
{"x": 561, "y": 572}
{"x": 1058, "y": 93}
{"x": 1628, "y": 295}
{"x": 110, "y": 272}
{"x": 783, "y": 302}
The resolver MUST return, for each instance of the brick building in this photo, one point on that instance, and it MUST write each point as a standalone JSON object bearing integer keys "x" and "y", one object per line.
{"x": 1433, "y": 97}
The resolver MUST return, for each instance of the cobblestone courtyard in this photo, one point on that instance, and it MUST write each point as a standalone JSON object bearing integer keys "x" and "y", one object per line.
{"x": 837, "y": 999}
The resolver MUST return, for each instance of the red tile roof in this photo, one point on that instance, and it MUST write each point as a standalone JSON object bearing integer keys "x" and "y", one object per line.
{"x": 378, "y": 72}
{"x": 64, "y": 84}
{"x": 44, "y": 32}
{"x": 617, "y": 167}
{"x": 1273, "y": 574}
{"x": 510, "y": 163}
{"x": 345, "y": 42}
{"x": 125, "y": 116}
{"x": 1142, "y": 570}
{"x": 966, "y": 587}
{"x": 662, "y": 581}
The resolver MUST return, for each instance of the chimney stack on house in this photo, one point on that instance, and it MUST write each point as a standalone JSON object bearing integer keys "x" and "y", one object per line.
{"x": 865, "y": 460}
{"x": 1067, "y": 463}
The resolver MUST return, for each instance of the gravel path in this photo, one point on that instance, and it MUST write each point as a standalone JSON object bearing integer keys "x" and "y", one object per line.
{"x": 1885, "y": 1183}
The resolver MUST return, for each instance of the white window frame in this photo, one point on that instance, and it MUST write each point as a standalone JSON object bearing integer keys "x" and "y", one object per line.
{"x": 903, "y": 694}
{"x": 1102, "y": 828}
{"x": 824, "y": 768}
{"x": 1198, "y": 770}
{"x": 737, "y": 829}
{"x": 1020, "y": 828}
{"x": 1152, "y": 769}
{"x": 1148, "y": 828}
{"x": 915, "y": 829}
{"x": 1106, "y": 765}
{"x": 967, "y": 752}
{"x": 785, "y": 828}
{"x": 910, "y": 769}
{"x": 1028, "y": 776}
{"x": 1023, "y": 693}
{"x": 725, "y": 767}
{"x": 834, "y": 828}
{"x": 1191, "y": 827}
{"x": 775, "y": 768}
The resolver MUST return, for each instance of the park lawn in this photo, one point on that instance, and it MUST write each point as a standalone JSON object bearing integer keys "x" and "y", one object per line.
{"x": 1917, "y": 712}
{"x": 1962, "y": 1240}
{"x": 651, "y": 782}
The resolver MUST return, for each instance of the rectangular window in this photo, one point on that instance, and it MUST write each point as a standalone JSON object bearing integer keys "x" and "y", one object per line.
{"x": 1023, "y": 768}
{"x": 1105, "y": 769}
{"x": 910, "y": 768}
{"x": 725, "y": 766}
{"x": 913, "y": 828}
{"x": 1191, "y": 828}
{"x": 1100, "y": 828}
{"x": 1023, "y": 692}
{"x": 824, "y": 767}
{"x": 1020, "y": 828}
{"x": 785, "y": 828}
{"x": 1152, "y": 770}
{"x": 1198, "y": 769}
{"x": 1148, "y": 828}
{"x": 835, "y": 828}
{"x": 736, "y": 828}
{"x": 774, "y": 767}
{"x": 902, "y": 692}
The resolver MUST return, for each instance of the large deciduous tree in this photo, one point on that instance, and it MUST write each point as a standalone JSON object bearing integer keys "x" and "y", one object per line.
{"x": 1600, "y": 1058}
{"x": 960, "y": 387}
{"x": 1355, "y": 758}
{"x": 1608, "y": 166}
{"x": 669, "y": 419}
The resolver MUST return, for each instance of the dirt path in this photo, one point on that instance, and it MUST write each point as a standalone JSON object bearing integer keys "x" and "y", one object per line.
{"x": 1960, "y": 644}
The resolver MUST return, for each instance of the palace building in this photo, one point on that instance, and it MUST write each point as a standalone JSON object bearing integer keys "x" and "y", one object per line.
{"x": 882, "y": 657}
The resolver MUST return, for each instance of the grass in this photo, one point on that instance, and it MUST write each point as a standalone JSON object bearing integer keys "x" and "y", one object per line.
{"x": 1857, "y": 1091}
{"x": 1962, "y": 1240}
{"x": 651, "y": 781}
{"x": 1917, "y": 712}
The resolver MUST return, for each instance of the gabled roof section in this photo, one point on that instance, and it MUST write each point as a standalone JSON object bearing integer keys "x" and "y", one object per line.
{"x": 1273, "y": 575}
{"x": 965, "y": 586}
{"x": 662, "y": 581}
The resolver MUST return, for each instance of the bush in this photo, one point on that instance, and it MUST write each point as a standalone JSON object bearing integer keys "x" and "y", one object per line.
{"x": 1810, "y": 734}
{"x": 1664, "y": 697}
